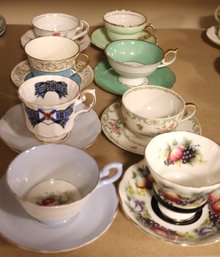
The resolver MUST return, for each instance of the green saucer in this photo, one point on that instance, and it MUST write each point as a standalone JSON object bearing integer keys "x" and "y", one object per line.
{"x": 107, "y": 78}
{"x": 100, "y": 39}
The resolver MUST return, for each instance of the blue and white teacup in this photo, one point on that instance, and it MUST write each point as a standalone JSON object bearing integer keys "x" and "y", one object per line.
{"x": 51, "y": 55}
{"x": 50, "y": 105}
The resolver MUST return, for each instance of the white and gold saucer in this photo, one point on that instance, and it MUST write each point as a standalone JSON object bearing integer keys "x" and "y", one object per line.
{"x": 14, "y": 132}
{"x": 22, "y": 72}
{"x": 17, "y": 227}
{"x": 115, "y": 130}
{"x": 212, "y": 34}
{"x": 84, "y": 42}
{"x": 138, "y": 204}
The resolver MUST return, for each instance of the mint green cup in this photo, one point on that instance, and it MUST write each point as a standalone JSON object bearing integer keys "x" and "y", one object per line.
{"x": 134, "y": 59}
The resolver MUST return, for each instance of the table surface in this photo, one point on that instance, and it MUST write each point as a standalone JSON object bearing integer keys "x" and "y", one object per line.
{"x": 197, "y": 70}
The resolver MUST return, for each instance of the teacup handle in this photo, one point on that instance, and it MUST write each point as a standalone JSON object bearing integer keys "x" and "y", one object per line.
{"x": 81, "y": 30}
{"x": 150, "y": 29}
{"x": 173, "y": 53}
{"x": 217, "y": 14}
{"x": 190, "y": 110}
{"x": 81, "y": 61}
{"x": 82, "y": 98}
{"x": 105, "y": 179}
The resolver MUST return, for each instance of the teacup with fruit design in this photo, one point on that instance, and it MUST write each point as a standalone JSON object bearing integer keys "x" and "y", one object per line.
{"x": 185, "y": 168}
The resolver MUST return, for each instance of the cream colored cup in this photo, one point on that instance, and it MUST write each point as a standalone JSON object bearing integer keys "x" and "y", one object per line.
{"x": 59, "y": 24}
{"x": 50, "y": 106}
{"x": 217, "y": 17}
{"x": 53, "y": 182}
{"x": 125, "y": 24}
{"x": 55, "y": 55}
{"x": 152, "y": 110}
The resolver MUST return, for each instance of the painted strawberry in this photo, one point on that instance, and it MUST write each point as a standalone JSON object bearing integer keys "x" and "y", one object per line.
{"x": 214, "y": 196}
{"x": 172, "y": 196}
{"x": 49, "y": 201}
{"x": 175, "y": 154}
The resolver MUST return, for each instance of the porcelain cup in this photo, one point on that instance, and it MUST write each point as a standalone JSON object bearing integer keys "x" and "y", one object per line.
{"x": 134, "y": 60}
{"x": 50, "y": 105}
{"x": 59, "y": 24}
{"x": 125, "y": 24}
{"x": 185, "y": 167}
{"x": 217, "y": 17}
{"x": 151, "y": 110}
{"x": 55, "y": 55}
{"x": 56, "y": 181}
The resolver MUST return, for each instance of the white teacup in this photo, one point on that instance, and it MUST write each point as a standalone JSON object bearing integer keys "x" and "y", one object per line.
{"x": 217, "y": 17}
{"x": 125, "y": 24}
{"x": 55, "y": 55}
{"x": 50, "y": 105}
{"x": 152, "y": 110}
{"x": 52, "y": 182}
{"x": 59, "y": 24}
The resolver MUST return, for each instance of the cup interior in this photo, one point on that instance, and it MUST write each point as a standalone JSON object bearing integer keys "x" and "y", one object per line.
{"x": 51, "y": 48}
{"x": 55, "y": 22}
{"x": 125, "y": 18}
{"x": 134, "y": 51}
{"x": 48, "y": 90}
{"x": 68, "y": 165}
{"x": 153, "y": 102}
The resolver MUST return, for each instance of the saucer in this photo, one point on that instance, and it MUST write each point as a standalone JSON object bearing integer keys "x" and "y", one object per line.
{"x": 100, "y": 39}
{"x": 84, "y": 42}
{"x": 20, "y": 229}
{"x": 211, "y": 34}
{"x": 107, "y": 78}
{"x": 14, "y": 132}
{"x": 22, "y": 72}
{"x": 137, "y": 204}
{"x": 116, "y": 131}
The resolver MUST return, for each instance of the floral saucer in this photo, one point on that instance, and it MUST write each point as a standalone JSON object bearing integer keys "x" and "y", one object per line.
{"x": 107, "y": 78}
{"x": 116, "y": 131}
{"x": 212, "y": 35}
{"x": 22, "y": 72}
{"x": 100, "y": 39}
{"x": 20, "y": 229}
{"x": 84, "y": 42}
{"x": 15, "y": 134}
{"x": 136, "y": 199}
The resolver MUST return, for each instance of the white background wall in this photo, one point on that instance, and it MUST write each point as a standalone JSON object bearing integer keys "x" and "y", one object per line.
{"x": 162, "y": 13}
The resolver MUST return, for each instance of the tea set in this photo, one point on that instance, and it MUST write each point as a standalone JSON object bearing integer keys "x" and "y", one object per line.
{"x": 172, "y": 194}
{"x": 213, "y": 33}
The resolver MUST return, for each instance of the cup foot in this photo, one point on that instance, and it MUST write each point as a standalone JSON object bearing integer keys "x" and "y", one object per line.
{"x": 131, "y": 82}
{"x": 57, "y": 139}
{"x": 173, "y": 217}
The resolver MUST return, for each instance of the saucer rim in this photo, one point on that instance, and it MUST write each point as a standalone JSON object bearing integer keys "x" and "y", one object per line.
{"x": 210, "y": 32}
{"x": 155, "y": 236}
{"x": 19, "y": 149}
{"x": 102, "y": 28}
{"x": 122, "y": 86}
{"x": 83, "y": 46}
{"x": 112, "y": 190}
{"x": 129, "y": 148}
{"x": 26, "y": 62}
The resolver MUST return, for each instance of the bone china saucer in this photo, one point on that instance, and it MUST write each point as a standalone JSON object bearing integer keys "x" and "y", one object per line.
{"x": 22, "y": 72}
{"x": 137, "y": 204}
{"x": 84, "y": 42}
{"x": 20, "y": 229}
{"x": 212, "y": 35}
{"x": 116, "y": 131}
{"x": 100, "y": 39}
{"x": 107, "y": 78}
{"x": 15, "y": 134}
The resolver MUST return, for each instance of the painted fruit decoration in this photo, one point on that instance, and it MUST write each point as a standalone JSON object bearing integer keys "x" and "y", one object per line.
{"x": 182, "y": 153}
{"x": 143, "y": 179}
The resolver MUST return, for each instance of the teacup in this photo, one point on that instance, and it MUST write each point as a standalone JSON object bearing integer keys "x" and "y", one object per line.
{"x": 50, "y": 105}
{"x": 134, "y": 60}
{"x": 151, "y": 110}
{"x": 217, "y": 17}
{"x": 56, "y": 181}
{"x": 125, "y": 24}
{"x": 185, "y": 167}
{"x": 59, "y": 24}
{"x": 55, "y": 55}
